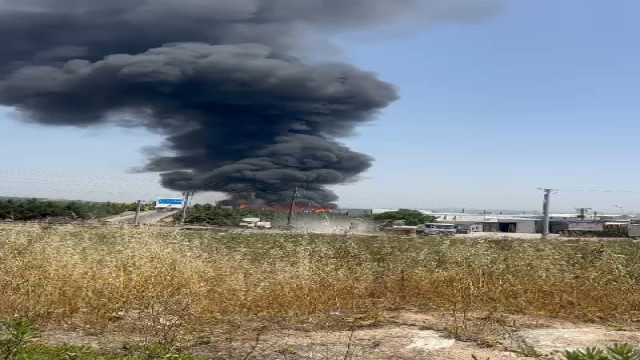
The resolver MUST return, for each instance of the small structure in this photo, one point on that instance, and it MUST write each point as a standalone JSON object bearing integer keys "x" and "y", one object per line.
{"x": 466, "y": 223}
{"x": 510, "y": 225}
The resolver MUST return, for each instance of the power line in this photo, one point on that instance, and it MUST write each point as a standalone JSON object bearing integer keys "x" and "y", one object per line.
{"x": 66, "y": 175}
{"x": 70, "y": 182}
{"x": 75, "y": 190}
{"x": 88, "y": 186}
{"x": 601, "y": 191}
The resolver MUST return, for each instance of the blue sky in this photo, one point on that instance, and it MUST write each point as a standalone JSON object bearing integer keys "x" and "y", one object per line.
{"x": 543, "y": 94}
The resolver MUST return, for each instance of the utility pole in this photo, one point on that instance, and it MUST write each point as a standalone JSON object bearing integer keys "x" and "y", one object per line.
{"x": 136, "y": 221}
{"x": 293, "y": 205}
{"x": 187, "y": 196}
{"x": 545, "y": 211}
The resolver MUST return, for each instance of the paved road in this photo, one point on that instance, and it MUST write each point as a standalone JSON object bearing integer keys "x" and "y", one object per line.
{"x": 147, "y": 217}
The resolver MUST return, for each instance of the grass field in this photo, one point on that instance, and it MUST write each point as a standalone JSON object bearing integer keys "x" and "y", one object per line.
{"x": 166, "y": 278}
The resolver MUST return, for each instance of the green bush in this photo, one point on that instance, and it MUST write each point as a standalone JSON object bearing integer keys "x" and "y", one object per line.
{"x": 147, "y": 352}
{"x": 17, "y": 336}
{"x": 410, "y": 217}
{"x": 617, "y": 352}
{"x": 14, "y": 337}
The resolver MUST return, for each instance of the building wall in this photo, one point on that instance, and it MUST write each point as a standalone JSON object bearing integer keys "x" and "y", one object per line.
{"x": 526, "y": 227}
{"x": 358, "y": 212}
{"x": 490, "y": 227}
{"x": 469, "y": 227}
{"x": 523, "y": 227}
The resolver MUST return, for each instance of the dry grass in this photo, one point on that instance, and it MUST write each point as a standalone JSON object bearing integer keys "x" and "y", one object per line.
{"x": 163, "y": 278}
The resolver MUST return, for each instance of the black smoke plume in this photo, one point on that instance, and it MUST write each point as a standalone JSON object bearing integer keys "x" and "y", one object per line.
{"x": 240, "y": 114}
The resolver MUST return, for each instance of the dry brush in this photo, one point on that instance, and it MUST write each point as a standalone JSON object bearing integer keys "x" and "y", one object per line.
{"x": 163, "y": 277}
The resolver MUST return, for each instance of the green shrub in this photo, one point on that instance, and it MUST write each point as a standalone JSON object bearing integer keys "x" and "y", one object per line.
{"x": 14, "y": 337}
{"x": 409, "y": 217}
{"x": 617, "y": 352}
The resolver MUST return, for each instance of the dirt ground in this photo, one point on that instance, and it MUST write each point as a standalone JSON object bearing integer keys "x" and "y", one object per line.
{"x": 400, "y": 335}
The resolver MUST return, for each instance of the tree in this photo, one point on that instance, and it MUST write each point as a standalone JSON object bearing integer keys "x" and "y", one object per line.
{"x": 410, "y": 217}
{"x": 34, "y": 209}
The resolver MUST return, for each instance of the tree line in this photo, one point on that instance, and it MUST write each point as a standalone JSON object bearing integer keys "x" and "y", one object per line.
{"x": 213, "y": 215}
{"x": 217, "y": 216}
{"x": 34, "y": 209}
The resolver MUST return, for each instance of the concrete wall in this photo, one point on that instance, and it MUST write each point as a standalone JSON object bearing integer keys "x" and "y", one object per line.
{"x": 526, "y": 227}
{"x": 490, "y": 227}
{"x": 358, "y": 212}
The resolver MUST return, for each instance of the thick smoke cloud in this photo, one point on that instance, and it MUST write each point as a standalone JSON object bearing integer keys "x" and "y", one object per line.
{"x": 240, "y": 115}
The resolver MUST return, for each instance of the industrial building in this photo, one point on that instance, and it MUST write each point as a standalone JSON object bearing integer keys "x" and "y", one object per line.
{"x": 491, "y": 223}
{"x": 510, "y": 225}
{"x": 522, "y": 223}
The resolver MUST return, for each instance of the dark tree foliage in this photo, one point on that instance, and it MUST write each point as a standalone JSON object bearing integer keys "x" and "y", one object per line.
{"x": 410, "y": 217}
{"x": 33, "y": 209}
{"x": 212, "y": 215}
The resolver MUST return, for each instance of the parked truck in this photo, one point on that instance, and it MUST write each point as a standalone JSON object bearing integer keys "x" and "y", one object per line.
{"x": 437, "y": 229}
{"x": 398, "y": 227}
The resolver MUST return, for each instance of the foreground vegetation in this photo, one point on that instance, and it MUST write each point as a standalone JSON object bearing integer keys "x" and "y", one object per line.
{"x": 18, "y": 342}
{"x": 101, "y": 276}
{"x": 618, "y": 352}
